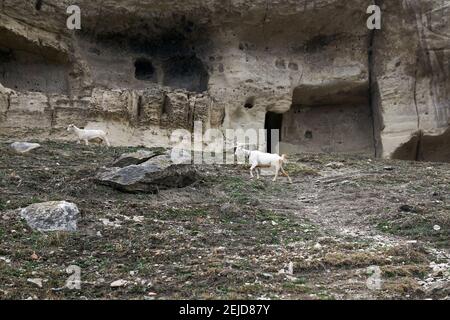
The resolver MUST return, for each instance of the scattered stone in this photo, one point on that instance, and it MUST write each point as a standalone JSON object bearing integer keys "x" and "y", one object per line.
{"x": 388, "y": 168}
{"x": 440, "y": 268}
{"x": 335, "y": 165}
{"x": 36, "y": 281}
{"x": 119, "y": 283}
{"x": 24, "y": 147}
{"x": 5, "y": 260}
{"x": 291, "y": 278}
{"x": 51, "y": 216}
{"x": 138, "y": 219}
{"x": 156, "y": 174}
{"x": 318, "y": 246}
{"x": 135, "y": 158}
{"x": 290, "y": 268}
{"x": 436, "y": 227}
{"x": 109, "y": 223}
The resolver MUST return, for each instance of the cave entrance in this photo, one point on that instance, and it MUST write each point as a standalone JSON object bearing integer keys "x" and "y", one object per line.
{"x": 144, "y": 70}
{"x": 329, "y": 118}
{"x": 272, "y": 125}
{"x": 186, "y": 72}
{"x": 328, "y": 129}
{"x": 28, "y": 71}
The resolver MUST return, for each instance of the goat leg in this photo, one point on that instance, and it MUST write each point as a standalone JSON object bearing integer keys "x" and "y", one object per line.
{"x": 276, "y": 174}
{"x": 285, "y": 174}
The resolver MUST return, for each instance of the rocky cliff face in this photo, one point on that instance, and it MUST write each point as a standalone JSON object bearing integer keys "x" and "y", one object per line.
{"x": 310, "y": 68}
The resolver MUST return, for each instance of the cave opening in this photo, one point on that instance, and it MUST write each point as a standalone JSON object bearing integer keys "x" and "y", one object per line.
{"x": 334, "y": 117}
{"x": 165, "y": 105}
{"x": 185, "y": 72}
{"x": 38, "y": 5}
{"x": 144, "y": 70}
{"x": 272, "y": 125}
{"x": 27, "y": 71}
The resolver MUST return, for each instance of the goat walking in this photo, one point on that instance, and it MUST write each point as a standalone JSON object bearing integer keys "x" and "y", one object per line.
{"x": 260, "y": 160}
{"x": 86, "y": 135}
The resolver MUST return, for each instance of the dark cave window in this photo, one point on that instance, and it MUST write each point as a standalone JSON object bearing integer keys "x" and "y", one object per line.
{"x": 308, "y": 135}
{"x": 249, "y": 103}
{"x": 144, "y": 70}
{"x": 165, "y": 105}
{"x": 186, "y": 72}
{"x": 139, "y": 107}
{"x": 273, "y": 124}
{"x": 6, "y": 55}
{"x": 38, "y": 5}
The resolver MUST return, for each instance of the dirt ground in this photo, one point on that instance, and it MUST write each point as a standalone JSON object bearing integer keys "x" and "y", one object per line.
{"x": 330, "y": 235}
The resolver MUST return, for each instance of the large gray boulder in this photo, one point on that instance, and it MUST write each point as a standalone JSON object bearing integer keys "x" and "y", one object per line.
{"x": 51, "y": 216}
{"x": 156, "y": 174}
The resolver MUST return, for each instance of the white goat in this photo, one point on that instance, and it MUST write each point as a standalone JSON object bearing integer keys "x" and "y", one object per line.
{"x": 86, "y": 135}
{"x": 260, "y": 160}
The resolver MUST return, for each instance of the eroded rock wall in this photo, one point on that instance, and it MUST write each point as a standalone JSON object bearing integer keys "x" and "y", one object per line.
{"x": 311, "y": 68}
{"x": 411, "y": 70}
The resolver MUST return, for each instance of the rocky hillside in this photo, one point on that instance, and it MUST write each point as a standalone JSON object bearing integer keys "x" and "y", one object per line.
{"x": 349, "y": 227}
{"x": 364, "y": 116}
{"x": 310, "y": 68}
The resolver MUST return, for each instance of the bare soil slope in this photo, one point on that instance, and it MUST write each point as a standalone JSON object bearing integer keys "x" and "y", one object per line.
{"x": 229, "y": 236}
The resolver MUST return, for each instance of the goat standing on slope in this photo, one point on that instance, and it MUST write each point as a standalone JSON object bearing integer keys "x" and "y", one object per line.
{"x": 86, "y": 135}
{"x": 260, "y": 160}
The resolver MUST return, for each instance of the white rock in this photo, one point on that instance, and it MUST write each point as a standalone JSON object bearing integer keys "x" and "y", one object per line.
{"x": 36, "y": 281}
{"x": 291, "y": 278}
{"x": 317, "y": 246}
{"x": 138, "y": 218}
{"x": 108, "y": 223}
{"x": 119, "y": 283}
{"x": 24, "y": 147}
{"x": 290, "y": 269}
{"x": 51, "y": 216}
{"x": 267, "y": 275}
{"x": 436, "y": 227}
{"x": 5, "y": 259}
